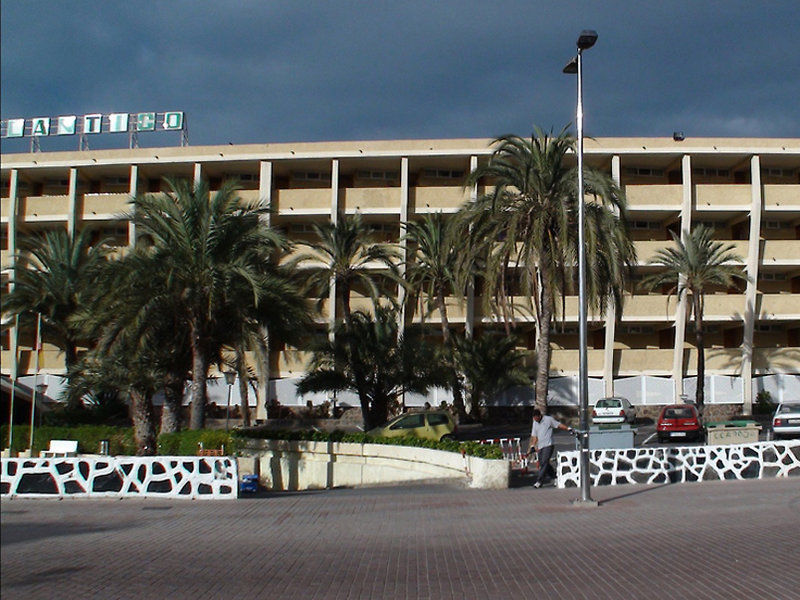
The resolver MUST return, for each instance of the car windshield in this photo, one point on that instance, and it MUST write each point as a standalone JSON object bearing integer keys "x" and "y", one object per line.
{"x": 608, "y": 403}
{"x": 678, "y": 413}
{"x": 788, "y": 408}
{"x": 409, "y": 422}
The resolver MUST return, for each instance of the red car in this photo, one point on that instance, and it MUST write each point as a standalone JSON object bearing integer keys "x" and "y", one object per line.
{"x": 679, "y": 421}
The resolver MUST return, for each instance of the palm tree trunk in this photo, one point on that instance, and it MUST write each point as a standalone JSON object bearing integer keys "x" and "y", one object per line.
{"x": 173, "y": 400}
{"x": 198, "y": 386}
{"x": 244, "y": 380}
{"x": 458, "y": 394}
{"x": 262, "y": 361}
{"x": 144, "y": 428}
{"x": 543, "y": 345}
{"x": 701, "y": 351}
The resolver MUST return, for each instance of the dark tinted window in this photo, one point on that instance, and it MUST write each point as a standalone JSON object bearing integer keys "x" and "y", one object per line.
{"x": 437, "y": 419}
{"x": 608, "y": 403}
{"x": 409, "y": 422}
{"x": 678, "y": 413}
{"x": 787, "y": 408}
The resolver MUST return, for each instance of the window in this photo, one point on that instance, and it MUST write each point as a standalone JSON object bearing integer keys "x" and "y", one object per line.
{"x": 709, "y": 172}
{"x": 644, "y": 172}
{"x": 772, "y": 224}
{"x": 437, "y": 419}
{"x": 379, "y": 175}
{"x": 443, "y": 173}
{"x": 311, "y": 176}
{"x": 410, "y": 422}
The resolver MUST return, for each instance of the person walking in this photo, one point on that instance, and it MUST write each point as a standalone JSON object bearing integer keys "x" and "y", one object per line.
{"x": 542, "y": 440}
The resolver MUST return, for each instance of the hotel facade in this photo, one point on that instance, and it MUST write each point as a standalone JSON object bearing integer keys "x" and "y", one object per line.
{"x": 748, "y": 190}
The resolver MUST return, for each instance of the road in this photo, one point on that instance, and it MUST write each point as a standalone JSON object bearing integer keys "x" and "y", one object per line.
{"x": 724, "y": 539}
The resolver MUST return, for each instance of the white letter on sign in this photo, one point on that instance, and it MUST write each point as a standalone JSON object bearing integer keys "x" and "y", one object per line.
{"x": 41, "y": 126}
{"x": 92, "y": 123}
{"x": 173, "y": 120}
{"x": 118, "y": 122}
{"x": 15, "y": 128}
{"x": 66, "y": 125}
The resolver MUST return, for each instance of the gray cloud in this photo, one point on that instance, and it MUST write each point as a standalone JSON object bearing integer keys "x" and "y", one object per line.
{"x": 258, "y": 72}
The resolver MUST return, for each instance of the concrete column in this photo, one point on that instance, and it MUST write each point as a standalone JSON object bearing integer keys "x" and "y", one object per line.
{"x": 611, "y": 312}
{"x": 751, "y": 294}
{"x": 197, "y": 174}
{"x": 265, "y": 187}
{"x": 469, "y": 317}
{"x": 13, "y": 190}
{"x": 680, "y": 311}
{"x": 133, "y": 191}
{"x": 404, "y": 200}
{"x": 334, "y": 218}
{"x": 74, "y": 207}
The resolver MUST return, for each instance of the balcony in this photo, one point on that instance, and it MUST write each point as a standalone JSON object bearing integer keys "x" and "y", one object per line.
{"x": 5, "y": 209}
{"x": 719, "y": 361}
{"x": 768, "y": 361}
{"x": 654, "y": 197}
{"x": 724, "y": 307}
{"x": 780, "y": 197}
{"x": 644, "y": 307}
{"x": 780, "y": 252}
{"x": 565, "y": 362}
{"x": 430, "y": 199}
{"x": 637, "y": 361}
{"x": 722, "y": 196}
{"x": 307, "y": 201}
{"x": 456, "y": 311}
{"x": 371, "y": 200}
{"x": 5, "y": 259}
{"x": 646, "y": 250}
{"x": 292, "y": 363}
{"x": 105, "y": 206}
{"x": 778, "y": 306}
{"x": 44, "y": 208}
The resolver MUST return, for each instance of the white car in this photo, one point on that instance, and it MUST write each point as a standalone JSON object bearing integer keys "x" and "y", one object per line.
{"x": 786, "y": 420}
{"x": 613, "y": 410}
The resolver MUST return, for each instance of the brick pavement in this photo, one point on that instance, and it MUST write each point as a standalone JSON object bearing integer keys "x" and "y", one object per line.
{"x": 702, "y": 540}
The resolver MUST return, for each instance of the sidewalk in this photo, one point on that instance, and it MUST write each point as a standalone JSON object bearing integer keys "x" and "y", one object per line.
{"x": 703, "y": 540}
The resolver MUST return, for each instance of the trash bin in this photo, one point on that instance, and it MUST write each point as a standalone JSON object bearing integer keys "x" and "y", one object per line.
{"x": 721, "y": 433}
{"x": 248, "y": 484}
{"x": 603, "y": 437}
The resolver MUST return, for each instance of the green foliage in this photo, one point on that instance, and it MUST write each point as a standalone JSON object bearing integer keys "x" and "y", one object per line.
{"x": 186, "y": 443}
{"x": 469, "y": 448}
{"x": 764, "y": 404}
{"x": 88, "y": 437}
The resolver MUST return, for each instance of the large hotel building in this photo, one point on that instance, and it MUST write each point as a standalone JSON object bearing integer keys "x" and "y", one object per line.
{"x": 747, "y": 189}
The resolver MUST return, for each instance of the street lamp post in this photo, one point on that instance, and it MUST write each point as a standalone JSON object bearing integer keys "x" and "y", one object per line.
{"x": 230, "y": 378}
{"x": 586, "y": 40}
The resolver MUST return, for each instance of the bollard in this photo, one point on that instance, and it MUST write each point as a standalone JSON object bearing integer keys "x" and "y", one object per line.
{"x": 104, "y": 447}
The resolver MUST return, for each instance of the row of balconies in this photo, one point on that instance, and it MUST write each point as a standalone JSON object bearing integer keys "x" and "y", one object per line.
{"x": 387, "y": 200}
{"x": 627, "y": 361}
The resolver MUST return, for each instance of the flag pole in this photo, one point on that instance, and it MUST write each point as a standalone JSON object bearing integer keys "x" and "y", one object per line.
{"x": 35, "y": 380}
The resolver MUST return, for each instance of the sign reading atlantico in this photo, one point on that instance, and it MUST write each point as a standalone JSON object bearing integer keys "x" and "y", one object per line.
{"x": 92, "y": 124}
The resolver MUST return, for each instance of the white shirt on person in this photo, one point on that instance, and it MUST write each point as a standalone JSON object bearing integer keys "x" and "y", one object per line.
{"x": 543, "y": 431}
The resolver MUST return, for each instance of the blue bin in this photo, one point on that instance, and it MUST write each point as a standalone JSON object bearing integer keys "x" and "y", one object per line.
{"x": 248, "y": 484}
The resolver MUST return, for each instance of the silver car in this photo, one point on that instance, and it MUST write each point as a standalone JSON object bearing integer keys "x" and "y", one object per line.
{"x": 786, "y": 420}
{"x": 615, "y": 409}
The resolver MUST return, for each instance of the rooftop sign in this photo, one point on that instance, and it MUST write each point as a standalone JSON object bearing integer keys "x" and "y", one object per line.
{"x": 84, "y": 125}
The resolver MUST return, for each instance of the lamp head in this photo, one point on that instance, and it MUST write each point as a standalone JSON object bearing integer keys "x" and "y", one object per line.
{"x": 230, "y": 377}
{"x": 586, "y": 39}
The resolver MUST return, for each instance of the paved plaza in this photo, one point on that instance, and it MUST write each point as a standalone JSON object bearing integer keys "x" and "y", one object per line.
{"x": 733, "y": 539}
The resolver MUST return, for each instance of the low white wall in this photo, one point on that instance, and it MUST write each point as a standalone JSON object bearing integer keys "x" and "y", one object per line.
{"x": 283, "y": 465}
{"x": 190, "y": 477}
{"x": 682, "y": 463}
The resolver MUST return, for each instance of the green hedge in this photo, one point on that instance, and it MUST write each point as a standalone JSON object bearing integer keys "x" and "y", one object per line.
{"x": 470, "y": 448}
{"x": 186, "y": 443}
{"x": 120, "y": 438}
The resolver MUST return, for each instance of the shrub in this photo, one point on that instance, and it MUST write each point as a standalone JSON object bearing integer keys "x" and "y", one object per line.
{"x": 470, "y": 448}
{"x": 187, "y": 443}
{"x": 88, "y": 436}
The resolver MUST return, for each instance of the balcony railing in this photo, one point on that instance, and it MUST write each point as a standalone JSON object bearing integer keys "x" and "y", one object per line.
{"x": 636, "y": 361}
{"x": 649, "y": 196}
{"x": 722, "y": 196}
{"x": 105, "y": 205}
{"x": 780, "y": 252}
{"x": 427, "y": 199}
{"x": 371, "y": 200}
{"x": 41, "y": 207}
{"x": 302, "y": 201}
{"x": 781, "y": 196}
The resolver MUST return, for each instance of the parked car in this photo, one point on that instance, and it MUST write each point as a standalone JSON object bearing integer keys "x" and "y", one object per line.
{"x": 786, "y": 420}
{"x": 431, "y": 425}
{"x": 679, "y": 421}
{"x": 615, "y": 409}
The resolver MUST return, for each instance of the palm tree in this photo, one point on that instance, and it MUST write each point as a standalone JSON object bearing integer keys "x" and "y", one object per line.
{"x": 691, "y": 267}
{"x": 346, "y": 253}
{"x": 370, "y": 358}
{"x": 491, "y": 364}
{"x": 53, "y": 275}
{"x": 529, "y": 221}
{"x": 432, "y": 269}
{"x": 207, "y": 250}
